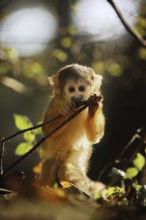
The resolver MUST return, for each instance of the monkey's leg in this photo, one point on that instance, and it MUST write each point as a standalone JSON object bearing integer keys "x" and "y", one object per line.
{"x": 48, "y": 174}
{"x": 61, "y": 171}
{"x": 82, "y": 182}
{"x": 62, "y": 156}
{"x": 77, "y": 178}
{"x": 76, "y": 165}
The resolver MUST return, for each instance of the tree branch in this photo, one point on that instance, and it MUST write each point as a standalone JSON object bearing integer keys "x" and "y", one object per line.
{"x": 43, "y": 139}
{"x": 29, "y": 129}
{"x": 83, "y": 105}
{"x": 130, "y": 29}
{"x": 2, "y": 147}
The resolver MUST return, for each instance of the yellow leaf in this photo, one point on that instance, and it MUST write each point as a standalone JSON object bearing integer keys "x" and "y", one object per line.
{"x": 65, "y": 184}
{"x": 139, "y": 161}
{"x": 22, "y": 122}
{"x": 131, "y": 172}
{"x": 23, "y": 148}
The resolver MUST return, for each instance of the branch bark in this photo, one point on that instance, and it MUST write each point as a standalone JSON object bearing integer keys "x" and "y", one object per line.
{"x": 130, "y": 29}
{"x": 43, "y": 139}
{"x": 83, "y": 105}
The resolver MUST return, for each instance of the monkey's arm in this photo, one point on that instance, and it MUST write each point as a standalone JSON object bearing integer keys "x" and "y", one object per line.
{"x": 52, "y": 125}
{"x": 52, "y": 112}
{"x": 51, "y": 155}
{"x": 95, "y": 123}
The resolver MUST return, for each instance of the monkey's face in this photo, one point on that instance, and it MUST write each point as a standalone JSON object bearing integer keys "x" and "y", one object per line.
{"x": 76, "y": 90}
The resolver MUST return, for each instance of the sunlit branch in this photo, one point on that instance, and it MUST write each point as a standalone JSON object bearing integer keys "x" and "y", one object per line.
{"x": 5, "y": 4}
{"x": 1, "y": 157}
{"x": 15, "y": 85}
{"x": 135, "y": 145}
{"x": 83, "y": 105}
{"x": 43, "y": 139}
{"x": 129, "y": 28}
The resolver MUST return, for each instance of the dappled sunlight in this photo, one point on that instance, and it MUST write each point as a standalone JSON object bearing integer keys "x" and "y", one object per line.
{"x": 37, "y": 39}
{"x": 28, "y": 30}
{"x": 98, "y": 19}
{"x": 15, "y": 85}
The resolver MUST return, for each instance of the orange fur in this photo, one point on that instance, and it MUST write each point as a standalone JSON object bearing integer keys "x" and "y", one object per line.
{"x": 65, "y": 155}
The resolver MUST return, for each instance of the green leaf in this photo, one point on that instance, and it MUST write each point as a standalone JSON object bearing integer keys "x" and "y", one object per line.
{"x": 99, "y": 67}
{"x": 137, "y": 187}
{"x": 131, "y": 172}
{"x": 114, "y": 191}
{"x": 139, "y": 161}
{"x": 60, "y": 55}
{"x": 29, "y": 136}
{"x": 66, "y": 42}
{"x": 23, "y": 148}
{"x": 38, "y": 130}
{"x": 36, "y": 68}
{"x": 22, "y": 122}
{"x": 114, "y": 69}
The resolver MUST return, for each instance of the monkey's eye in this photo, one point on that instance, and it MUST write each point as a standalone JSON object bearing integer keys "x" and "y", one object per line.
{"x": 71, "y": 89}
{"x": 81, "y": 88}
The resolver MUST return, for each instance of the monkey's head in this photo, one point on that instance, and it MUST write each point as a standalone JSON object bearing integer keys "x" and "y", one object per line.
{"x": 75, "y": 83}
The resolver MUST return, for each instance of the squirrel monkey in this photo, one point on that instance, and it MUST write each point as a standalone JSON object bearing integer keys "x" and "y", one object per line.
{"x": 65, "y": 155}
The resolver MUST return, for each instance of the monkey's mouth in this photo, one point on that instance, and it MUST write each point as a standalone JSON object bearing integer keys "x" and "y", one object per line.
{"x": 77, "y": 99}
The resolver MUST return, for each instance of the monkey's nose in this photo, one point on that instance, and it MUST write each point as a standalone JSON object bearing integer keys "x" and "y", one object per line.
{"x": 76, "y": 99}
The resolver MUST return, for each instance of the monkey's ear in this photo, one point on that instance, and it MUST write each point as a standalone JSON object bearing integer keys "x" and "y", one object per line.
{"x": 98, "y": 80}
{"x": 97, "y": 83}
{"x": 54, "y": 82}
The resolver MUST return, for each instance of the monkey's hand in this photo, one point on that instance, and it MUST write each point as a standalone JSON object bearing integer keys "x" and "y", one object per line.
{"x": 93, "y": 102}
{"x": 68, "y": 109}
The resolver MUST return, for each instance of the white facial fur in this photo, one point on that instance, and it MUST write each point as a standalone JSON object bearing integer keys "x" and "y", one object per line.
{"x": 78, "y": 90}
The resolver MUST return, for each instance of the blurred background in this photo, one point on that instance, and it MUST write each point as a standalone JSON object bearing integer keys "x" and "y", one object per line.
{"x": 37, "y": 37}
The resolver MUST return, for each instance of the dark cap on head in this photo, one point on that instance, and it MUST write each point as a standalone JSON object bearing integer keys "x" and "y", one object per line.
{"x": 76, "y": 71}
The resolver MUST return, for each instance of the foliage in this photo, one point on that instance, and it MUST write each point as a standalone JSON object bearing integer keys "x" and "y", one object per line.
{"x": 125, "y": 66}
{"x": 131, "y": 191}
{"x": 115, "y": 194}
{"x": 114, "y": 191}
{"x": 22, "y": 148}
{"x": 22, "y": 122}
{"x": 138, "y": 163}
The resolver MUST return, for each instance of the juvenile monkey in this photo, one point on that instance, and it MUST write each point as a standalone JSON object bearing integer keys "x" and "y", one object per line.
{"x": 65, "y": 155}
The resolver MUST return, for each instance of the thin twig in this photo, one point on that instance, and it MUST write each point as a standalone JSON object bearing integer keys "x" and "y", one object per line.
{"x": 29, "y": 129}
{"x": 83, "y": 105}
{"x": 44, "y": 138}
{"x": 79, "y": 104}
{"x": 105, "y": 168}
{"x": 1, "y": 157}
{"x": 135, "y": 144}
{"x": 3, "y": 140}
{"x": 136, "y": 136}
{"x": 130, "y": 29}
{"x": 5, "y": 4}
